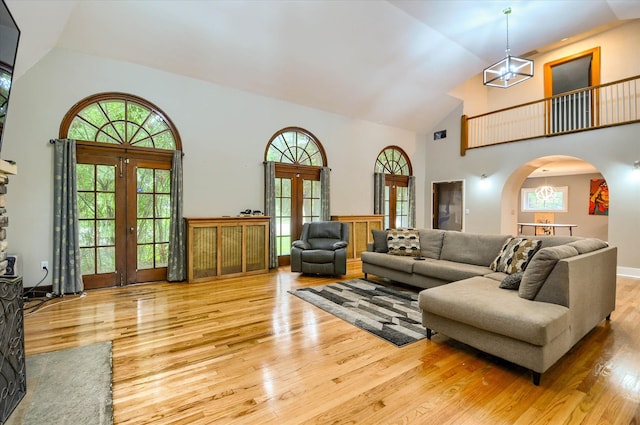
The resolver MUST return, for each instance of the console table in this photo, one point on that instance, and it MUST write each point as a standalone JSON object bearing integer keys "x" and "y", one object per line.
{"x": 552, "y": 226}
{"x": 221, "y": 247}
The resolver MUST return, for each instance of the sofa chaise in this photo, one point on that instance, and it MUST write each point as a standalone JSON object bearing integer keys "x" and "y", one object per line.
{"x": 525, "y": 299}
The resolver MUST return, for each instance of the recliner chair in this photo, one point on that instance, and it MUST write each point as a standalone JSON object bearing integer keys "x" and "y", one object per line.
{"x": 321, "y": 249}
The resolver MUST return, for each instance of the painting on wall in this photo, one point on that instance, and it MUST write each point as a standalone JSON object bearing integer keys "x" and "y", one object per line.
{"x": 598, "y": 197}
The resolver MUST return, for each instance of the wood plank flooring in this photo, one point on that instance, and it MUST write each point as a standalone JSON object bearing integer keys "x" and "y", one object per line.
{"x": 244, "y": 351}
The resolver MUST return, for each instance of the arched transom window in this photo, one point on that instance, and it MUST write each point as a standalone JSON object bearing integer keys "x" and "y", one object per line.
{"x": 393, "y": 160}
{"x": 294, "y": 145}
{"x": 120, "y": 119}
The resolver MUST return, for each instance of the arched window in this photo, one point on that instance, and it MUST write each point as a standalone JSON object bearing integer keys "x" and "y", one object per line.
{"x": 394, "y": 192}
{"x": 301, "y": 185}
{"x": 120, "y": 119}
{"x": 124, "y": 146}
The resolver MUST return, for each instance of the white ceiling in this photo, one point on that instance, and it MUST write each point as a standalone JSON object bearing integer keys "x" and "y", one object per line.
{"x": 391, "y": 62}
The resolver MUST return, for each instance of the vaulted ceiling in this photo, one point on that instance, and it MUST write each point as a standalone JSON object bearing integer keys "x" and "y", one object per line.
{"x": 391, "y": 62}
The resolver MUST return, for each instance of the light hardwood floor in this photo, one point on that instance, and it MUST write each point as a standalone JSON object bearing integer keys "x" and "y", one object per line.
{"x": 244, "y": 351}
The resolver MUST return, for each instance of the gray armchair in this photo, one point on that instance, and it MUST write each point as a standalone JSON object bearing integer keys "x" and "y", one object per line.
{"x": 322, "y": 248}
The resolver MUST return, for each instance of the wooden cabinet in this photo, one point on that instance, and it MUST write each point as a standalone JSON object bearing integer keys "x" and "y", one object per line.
{"x": 360, "y": 232}
{"x": 226, "y": 246}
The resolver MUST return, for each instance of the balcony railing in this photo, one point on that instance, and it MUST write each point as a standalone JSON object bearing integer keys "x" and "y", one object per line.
{"x": 606, "y": 105}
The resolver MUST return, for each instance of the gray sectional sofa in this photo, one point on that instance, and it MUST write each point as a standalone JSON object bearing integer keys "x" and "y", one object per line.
{"x": 560, "y": 290}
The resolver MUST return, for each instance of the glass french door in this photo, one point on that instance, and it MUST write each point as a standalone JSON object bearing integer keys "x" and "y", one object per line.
{"x": 297, "y": 202}
{"x": 124, "y": 214}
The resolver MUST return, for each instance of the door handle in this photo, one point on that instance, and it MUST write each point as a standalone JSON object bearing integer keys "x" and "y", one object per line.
{"x": 131, "y": 229}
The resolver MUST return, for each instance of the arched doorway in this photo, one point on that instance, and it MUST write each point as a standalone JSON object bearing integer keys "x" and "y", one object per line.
{"x": 578, "y": 179}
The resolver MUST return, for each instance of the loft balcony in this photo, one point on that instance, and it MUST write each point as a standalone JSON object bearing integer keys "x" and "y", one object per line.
{"x": 606, "y": 105}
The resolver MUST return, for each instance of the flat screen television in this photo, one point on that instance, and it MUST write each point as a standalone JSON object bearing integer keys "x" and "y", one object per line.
{"x": 9, "y": 37}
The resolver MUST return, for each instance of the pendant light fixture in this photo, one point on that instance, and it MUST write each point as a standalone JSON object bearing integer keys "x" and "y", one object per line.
{"x": 544, "y": 193}
{"x": 509, "y": 71}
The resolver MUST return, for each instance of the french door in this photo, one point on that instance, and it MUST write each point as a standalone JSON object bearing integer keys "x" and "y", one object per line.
{"x": 396, "y": 201}
{"x": 298, "y": 201}
{"x": 124, "y": 215}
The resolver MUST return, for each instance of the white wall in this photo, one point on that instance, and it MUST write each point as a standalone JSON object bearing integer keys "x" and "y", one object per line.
{"x": 493, "y": 207}
{"x": 224, "y": 134}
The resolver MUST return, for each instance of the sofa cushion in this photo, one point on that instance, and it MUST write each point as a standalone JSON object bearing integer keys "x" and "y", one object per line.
{"x": 478, "y": 302}
{"x": 515, "y": 255}
{"x": 404, "y": 242}
{"x": 471, "y": 248}
{"x": 539, "y": 268}
{"x": 512, "y": 281}
{"x": 431, "y": 242}
{"x": 393, "y": 262}
{"x": 587, "y": 245}
{"x": 379, "y": 240}
{"x": 448, "y": 270}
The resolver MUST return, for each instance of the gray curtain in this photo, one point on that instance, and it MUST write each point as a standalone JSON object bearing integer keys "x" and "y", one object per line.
{"x": 176, "y": 266}
{"x": 65, "y": 270}
{"x": 378, "y": 193}
{"x": 412, "y": 202}
{"x": 270, "y": 209}
{"x": 325, "y": 192}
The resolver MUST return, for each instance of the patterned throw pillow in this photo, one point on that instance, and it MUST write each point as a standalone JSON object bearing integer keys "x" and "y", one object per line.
{"x": 515, "y": 255}
{"x": 403, "y": 242}
{"x": 512, "y": 281}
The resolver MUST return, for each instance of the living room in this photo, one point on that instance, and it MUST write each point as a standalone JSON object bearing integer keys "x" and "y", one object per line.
{"x": 225, "y": 130}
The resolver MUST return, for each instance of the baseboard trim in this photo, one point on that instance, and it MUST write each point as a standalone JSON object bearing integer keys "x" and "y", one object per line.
{"x": 628, "y": 272}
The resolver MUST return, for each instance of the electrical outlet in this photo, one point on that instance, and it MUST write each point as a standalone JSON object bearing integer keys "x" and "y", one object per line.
{"x": 44, "y": 265}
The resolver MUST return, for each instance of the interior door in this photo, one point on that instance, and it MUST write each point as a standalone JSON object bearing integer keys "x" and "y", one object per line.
{"x": 124, "y": 213}
{"x": 448, "y": 205}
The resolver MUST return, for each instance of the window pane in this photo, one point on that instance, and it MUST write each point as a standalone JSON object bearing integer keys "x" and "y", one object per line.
{"x": 145, "y": 231}
{"x": 145, "y": 257}
{"x": 86, "y": 205}
{"x": 162, "y": 230}
{"x": 106, "y": 205}
{"x": 163, "y": 181}
{"x": 86, "y": 233}
{"x": 145, "y": 205}
{"x": 85, "y": 175}
{"x": 87, "y": 261}
{"x": 106, "y": 181}
{"x": 145, "y": 180}
{"x": 162, "y": 254}
{"x": 106, "y": 232}
{"x": 163, "y": 207}
{"x": 106, "y": 260}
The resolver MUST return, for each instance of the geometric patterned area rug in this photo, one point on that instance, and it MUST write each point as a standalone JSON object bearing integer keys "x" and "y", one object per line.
{"x": 68, "y": 387}
{"x": 388, "y": 313}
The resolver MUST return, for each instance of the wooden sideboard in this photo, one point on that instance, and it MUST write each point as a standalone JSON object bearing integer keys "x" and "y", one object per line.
{"x": 360, "y": 232}
{"x": 222, "y": 247}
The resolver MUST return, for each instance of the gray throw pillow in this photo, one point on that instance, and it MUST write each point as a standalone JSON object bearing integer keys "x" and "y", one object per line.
{"x": 379, "y": 241}
{"x": 540, "y": 267}
{"x": 512, "y": 281}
